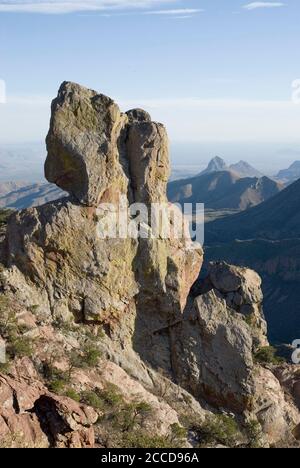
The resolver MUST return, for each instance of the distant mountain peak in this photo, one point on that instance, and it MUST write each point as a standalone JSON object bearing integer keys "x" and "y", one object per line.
{"x": 244, "y": 169}
{"x": 241, "y": 169}
{"x": 217, "y": 164}
{"x": 291, "y": 174}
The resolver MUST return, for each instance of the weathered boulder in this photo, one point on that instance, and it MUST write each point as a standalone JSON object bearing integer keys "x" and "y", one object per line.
{"x": 60, "y": 267}
{"x": 83, "y": 144}
{"x": 241, "y": 290}
{"x": 87, "y": 151}
{"x": 148, "y": 154}
{"x": 32, "y": 417}
{"x": 215, "y": 347}
{"x": 138, "y": 115}
{"x": 97, "y": 154}
{"x": 215, "y": 354}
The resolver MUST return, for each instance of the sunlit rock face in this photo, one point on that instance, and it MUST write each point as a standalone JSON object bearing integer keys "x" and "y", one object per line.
{"x": 58, "y": 272}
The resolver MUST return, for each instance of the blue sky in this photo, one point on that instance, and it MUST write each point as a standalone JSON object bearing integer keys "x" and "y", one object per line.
{"x": 211, "y": 70}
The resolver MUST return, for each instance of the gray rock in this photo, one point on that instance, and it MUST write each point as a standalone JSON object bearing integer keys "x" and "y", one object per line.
{"x": 138, "y": 115}
{"x": 82, "y": 144}
{"x": 148, "y": 153}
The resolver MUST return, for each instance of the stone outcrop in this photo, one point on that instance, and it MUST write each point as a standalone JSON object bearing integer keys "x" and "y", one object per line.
{"x": 32, "y": 417}
{"x": 99, "y": 155}
{"x": 83, "y": 144}
{"x": 215, "y": 351}
{"x": 65, "y": 282}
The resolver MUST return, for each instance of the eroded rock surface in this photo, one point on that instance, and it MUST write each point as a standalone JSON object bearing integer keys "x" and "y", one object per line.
{"x": 216, "y": 345}
{"x": 33, "y": 417}
{"x": 63, "y": 282}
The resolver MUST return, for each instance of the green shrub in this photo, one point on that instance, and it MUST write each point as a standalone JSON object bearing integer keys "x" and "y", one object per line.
{"x": 254, "y": 434}
{"x": 178, "y": 435}
{"x": 91, "y": 398}
{"x": 91, "y": 356}
{"x": 132, "y": 415}
{"x": 267, "y": 355}
{"x": 111, "y": 395}
{"x": 20, "y": 347}
{"x": 217, "y": 429}
{"x": 8, "y": 321}
{"x": 70, "y": 393}
{"x": 141, "y": 439}
{"x": 57, "y": 386}
{"x": 4, "y": 215}
{"x": 92, "y": 337}
{"x": 83, "y": 359}
{"x": 250, "y": 319}
{"x": 56, "y": 380}
{"x": 4, "y": 368}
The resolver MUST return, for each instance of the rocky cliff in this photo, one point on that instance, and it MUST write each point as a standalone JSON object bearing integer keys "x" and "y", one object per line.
{"x": 104, "y": 332}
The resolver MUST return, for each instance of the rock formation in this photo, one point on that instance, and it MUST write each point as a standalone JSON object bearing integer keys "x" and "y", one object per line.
{"x": 72, "y": 291}
{"x": 217, "y": 342}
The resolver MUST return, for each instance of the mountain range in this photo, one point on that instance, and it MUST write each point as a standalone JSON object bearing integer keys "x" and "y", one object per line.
{"x": 22, "y": 162}
{"x": 241, "y": 169}
{"x": 267, "y": 239}
{"x": 21, "y": 195}
{"x": 291, "y": 174}
{"x": 223, "y": 189}
{"x": 108, "y": 343}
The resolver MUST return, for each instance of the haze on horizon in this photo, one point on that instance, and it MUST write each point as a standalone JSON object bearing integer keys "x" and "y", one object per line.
{"x": 218, "y": 74}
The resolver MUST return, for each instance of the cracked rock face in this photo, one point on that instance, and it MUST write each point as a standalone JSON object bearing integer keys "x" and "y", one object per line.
{"x": 32, "y": 417}
{"x": 86, "y": 144}
{"x": 56, "y": 263}
{"x": 96, "y": 153}
{"x": 215, "y": 347}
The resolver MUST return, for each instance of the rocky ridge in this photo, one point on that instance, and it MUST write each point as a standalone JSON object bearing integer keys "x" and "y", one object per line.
{"x": 111, "y": 323}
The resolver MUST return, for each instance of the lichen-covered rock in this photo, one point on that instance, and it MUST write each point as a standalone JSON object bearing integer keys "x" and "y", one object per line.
{"x": 138, "y": 115}
{"x": 87, "y": 152}
{"x": 216, "y": 354}
{"x": 58, "y": 252}
{"x": 148, "y": 154}
{"x": 83, "y": 144}
{"x": 84, "y": 276}
{"x": 61, "y": 268}
{"x": 241, "y": 290}
{"x": 215, "y": 348}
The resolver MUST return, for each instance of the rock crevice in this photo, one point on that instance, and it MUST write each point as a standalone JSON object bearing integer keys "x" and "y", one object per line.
{"x": 136, "y": 290}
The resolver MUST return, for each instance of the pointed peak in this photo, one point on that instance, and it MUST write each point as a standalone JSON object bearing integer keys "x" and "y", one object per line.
{"x": 217, "y": 164}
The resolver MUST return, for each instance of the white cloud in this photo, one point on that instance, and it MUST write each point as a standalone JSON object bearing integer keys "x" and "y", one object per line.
{"x": 72, "y": 6}
{"x": 187, "y": 12}
{"x": 257, "y": 5}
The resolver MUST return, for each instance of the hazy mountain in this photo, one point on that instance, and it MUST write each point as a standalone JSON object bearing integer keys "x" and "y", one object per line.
{"x": 30, "y": 195}
{"x": 277, "y": 218}
{"x": 267, "y": 239}
{"x": 215, "y": 165}
{"x": 223, "y": 190}
{"x": 245, "y": 170}
{"x": 22, "y": 162}
{"x": 291, "y": 174}
{"x": 242, "y": 168}
{"x": 6, "y": 187}
{"x": 183, "y": 172}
